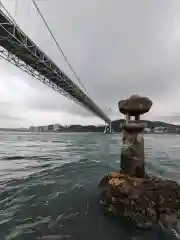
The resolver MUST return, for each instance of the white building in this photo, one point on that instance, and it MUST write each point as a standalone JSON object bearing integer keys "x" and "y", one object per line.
{"x": 57, "y": 127}
{"x": 147, "y": 130}
{"x": 160, "y": 129}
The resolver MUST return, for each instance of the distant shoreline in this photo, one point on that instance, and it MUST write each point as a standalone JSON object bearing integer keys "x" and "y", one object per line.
{"x": 145, "y": 133}
{"x": 155, "y": 127}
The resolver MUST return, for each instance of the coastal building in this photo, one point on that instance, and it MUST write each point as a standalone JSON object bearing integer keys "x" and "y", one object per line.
{"x": 32, "y": 129}
{"x": 50, "y": 127}
{"x": 57, "y": 127}
{"x": 147, "y": 130}
{"x": 41, "y": 129}
{"x": 160, "y": 129}
{"x": 45, "y": 129}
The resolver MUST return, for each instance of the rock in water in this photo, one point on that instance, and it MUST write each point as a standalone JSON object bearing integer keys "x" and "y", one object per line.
{"x": 146, "y": 201}
{"x": 132, "y": 194}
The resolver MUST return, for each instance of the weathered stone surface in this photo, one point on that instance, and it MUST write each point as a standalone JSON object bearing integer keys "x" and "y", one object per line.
{"x": 131, "y": 193}
{"x": 131, "y": 125}
{"x": 132, "y": 152}
{"x": 146, "y": 201}
{"x": 135, "y": 105}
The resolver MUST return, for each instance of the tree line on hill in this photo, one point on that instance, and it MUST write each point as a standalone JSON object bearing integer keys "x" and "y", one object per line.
{"x": 116, "y": 126}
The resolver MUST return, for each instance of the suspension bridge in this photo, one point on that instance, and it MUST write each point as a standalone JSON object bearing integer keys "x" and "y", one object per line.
{"x": 17, "y": 48}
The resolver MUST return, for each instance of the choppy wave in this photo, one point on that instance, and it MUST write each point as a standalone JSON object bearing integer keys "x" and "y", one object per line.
{"x": 49, "y": 190}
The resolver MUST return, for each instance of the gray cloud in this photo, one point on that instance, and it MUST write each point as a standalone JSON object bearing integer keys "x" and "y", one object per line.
{"x": 6, "y": 117}
{"x": 174, "y": 118}
{"x": 117, "y": 49}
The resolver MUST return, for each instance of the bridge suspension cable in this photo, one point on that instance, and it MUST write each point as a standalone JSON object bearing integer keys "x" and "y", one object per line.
{"x": 57, "y": 44}
{"x": 18, "y": 49}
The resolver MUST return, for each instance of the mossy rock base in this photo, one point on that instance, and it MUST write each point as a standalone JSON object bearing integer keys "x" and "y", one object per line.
{"x": 146, "y": 201}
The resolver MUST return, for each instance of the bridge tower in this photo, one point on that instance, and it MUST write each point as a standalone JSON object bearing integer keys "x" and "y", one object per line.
{"x": 108, "y": 127}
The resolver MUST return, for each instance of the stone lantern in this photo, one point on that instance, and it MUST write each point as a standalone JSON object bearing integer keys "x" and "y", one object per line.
{"x": 132, "y": 154}
{"x": 130, "y": 192}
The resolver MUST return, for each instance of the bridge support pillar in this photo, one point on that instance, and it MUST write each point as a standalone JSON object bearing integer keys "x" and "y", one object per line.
{"x": 108, "y": 128}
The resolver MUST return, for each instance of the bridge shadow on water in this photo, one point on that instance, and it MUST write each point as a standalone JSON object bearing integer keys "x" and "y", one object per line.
{"x": 62, "y": 203}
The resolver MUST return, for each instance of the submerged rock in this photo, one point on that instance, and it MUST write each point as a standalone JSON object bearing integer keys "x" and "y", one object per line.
{"x": 146, "y": 201}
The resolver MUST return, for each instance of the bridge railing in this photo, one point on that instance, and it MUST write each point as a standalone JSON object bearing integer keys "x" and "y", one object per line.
{"x": 21, "y": 51}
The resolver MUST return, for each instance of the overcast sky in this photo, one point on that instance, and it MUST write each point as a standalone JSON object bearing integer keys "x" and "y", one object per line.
{"x": 118, "y": 48}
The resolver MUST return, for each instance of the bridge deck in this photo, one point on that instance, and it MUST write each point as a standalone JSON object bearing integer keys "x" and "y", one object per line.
{"x": 20, "y": 50}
